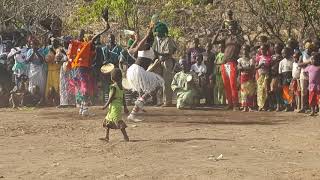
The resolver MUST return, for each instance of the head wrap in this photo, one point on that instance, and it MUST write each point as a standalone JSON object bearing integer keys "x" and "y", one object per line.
{"x": 130, "y": 42}
{"x": 161, "y": 29}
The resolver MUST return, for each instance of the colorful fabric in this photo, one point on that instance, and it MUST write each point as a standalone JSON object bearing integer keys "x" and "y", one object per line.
{"x": 314, "y": 77}
{"x": 82, "y": 83}
{"x": 80, "y": 54}
{"x": 229, "y": 77}
{"x": 66, "y": 97}
{"x": 266, "y": 61}
{"x": 314, "y": 98}
{"x": 185, "y": 93}
{"x": 262, "y": 93}
{"x": 287, "y": 95}
{"x": 116, "y": 106}
{"x": 248, "y": 89}
{"x": 295, "y": 87}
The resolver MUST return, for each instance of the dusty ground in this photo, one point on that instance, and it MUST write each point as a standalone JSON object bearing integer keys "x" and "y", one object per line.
{"x": 170, "y": 144}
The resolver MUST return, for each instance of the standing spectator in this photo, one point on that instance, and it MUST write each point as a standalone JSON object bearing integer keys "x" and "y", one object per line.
{"x": 194, "y": 51}
{"x": 263, "y": 66}
{"x": 164, "y": 48}
{"x": 305, "y": 61}
{"x": 36, "y": 74}
{"x": 219, "y": 93}
{"x": 285, "y": 72}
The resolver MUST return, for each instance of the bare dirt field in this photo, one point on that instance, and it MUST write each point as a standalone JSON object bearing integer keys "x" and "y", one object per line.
{"x": 52, "y": 143}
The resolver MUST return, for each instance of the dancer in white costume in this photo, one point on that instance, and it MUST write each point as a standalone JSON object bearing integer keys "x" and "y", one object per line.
{"x": 141, "y": 80}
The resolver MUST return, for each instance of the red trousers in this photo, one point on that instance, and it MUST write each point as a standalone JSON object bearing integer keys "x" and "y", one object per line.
{"x": 229, "y": 77}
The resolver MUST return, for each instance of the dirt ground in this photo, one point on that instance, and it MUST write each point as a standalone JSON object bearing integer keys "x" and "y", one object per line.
{"x": 52, "y": 143}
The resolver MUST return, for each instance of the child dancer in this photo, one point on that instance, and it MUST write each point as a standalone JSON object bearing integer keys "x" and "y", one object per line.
{"x": 285, "y": 71}
{"x": 246, "y": 68}
{"x": 115, "y": 102}
{"x": 313, "y": 71}
{"x": 295, "y": 85}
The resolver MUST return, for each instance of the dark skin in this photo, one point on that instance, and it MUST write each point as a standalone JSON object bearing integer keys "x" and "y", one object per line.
{"x": 112, "y": 98}
{"x": 222, "y": 48}
{"x": 34, "y": 46}
{"x": 112, "y": 41}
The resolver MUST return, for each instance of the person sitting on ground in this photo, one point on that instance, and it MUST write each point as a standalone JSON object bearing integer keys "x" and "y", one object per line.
{"x": 33, "y": 98}
{"x": 115, "y": 105}
{"x": 18, "y": 92}
{"x": 184, "y": 87}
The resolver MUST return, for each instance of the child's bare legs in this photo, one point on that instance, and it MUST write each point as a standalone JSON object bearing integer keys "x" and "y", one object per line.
{"x": 313, "y": 111}
{"x": 245, "y": 109}
{"x": 298, "y": 102}
{"x": 107, "y": 134}
{"x": 125, "y": 135}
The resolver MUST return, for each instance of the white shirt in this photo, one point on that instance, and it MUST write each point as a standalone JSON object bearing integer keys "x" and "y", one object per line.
{"x": 199, "y": 69}
{"x": 21, "y": 57}
{"x": 285, "y": 65}
{"x": 296, "y": 70}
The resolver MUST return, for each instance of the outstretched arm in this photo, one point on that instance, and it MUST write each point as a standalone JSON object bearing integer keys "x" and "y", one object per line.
{"x": 105, "y": 30}
{"x": 215, "y": 38}
{"x": 134, "y": 50}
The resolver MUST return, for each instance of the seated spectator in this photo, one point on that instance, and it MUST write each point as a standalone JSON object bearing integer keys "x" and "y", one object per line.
{"x": 184, "y": 86}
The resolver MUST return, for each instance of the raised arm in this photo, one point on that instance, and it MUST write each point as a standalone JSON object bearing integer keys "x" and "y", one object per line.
{"x": 105, "y": 30}
{"x": 215, "y": 38}
{"x": 134, "y": 50}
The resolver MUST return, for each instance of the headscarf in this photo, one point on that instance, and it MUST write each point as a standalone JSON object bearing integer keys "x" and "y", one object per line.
{"x": 130, "y": 42}
{"x": 161, "y": 29}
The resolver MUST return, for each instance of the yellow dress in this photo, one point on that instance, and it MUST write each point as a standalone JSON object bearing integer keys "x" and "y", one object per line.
{"x": 53, "y": 77}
